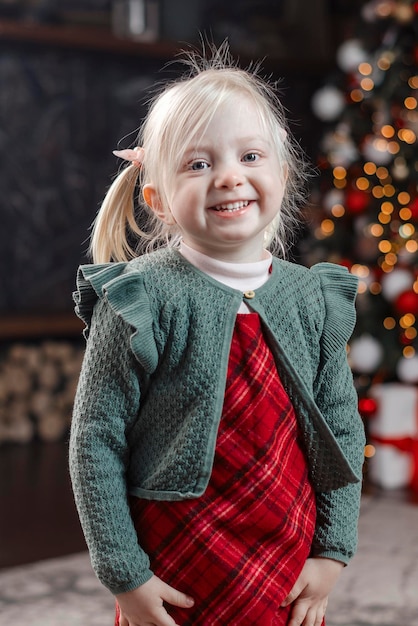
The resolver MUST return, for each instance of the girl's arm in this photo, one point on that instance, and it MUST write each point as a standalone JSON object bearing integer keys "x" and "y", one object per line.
{"x": 106, "y": 406}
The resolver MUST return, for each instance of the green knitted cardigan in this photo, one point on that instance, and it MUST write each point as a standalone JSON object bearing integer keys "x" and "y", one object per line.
{"x": 151, "y": 389}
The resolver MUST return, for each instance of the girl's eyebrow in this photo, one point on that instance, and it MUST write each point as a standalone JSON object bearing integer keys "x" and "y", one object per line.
{"x": 247, "y": 141}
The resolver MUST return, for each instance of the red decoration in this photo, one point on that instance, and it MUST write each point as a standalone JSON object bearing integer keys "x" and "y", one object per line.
{"x": 348, "y": 263}
{"x": 356, "y": 200}
{"x": 407, "y": 302}
{"x": 414, "y": 208}
{"x": 367, "y": 407}
{"x": 405, "y": 444}
{"x": 405, "y": 341}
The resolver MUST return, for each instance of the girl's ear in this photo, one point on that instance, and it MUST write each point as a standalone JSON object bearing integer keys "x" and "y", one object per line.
{"x": 153, "y": 200}
{"x": 285, "y": 171}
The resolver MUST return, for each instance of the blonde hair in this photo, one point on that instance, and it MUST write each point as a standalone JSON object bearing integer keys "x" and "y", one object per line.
{"x": 125, "y": 226}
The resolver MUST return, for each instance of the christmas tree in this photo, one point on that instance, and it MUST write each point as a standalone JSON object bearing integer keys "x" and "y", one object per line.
{"x": 364, "y": 208}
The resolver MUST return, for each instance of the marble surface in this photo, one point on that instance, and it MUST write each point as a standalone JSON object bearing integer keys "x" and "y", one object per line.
{"x": 379, "y": 587}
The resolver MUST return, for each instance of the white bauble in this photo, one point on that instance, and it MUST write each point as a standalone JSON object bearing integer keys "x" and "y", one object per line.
{"x": 331, "y": 198}
{"x": 368, "y": 12}
{"x": 350, "y": 54}
{"x": 327, "y": 103}
{"x": 394, "y": 283}
{"x": 365, "y": 354}
{"x": 375, "y": 149}
{"x": 407, "y": 369}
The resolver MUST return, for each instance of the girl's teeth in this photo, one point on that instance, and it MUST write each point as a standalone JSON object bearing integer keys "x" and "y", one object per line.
{"x": 231, "y": 206}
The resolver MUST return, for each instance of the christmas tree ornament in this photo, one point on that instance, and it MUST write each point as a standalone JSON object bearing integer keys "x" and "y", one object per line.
{"x": 400, "y": 170}
{"x": 403, "y": 12}
{"x": 407, "y": 369}
{"x": 328, "y": 103}
{"x": 407, "y": 302}
{"x": 394, "y": 283}
{"x": 367, "y": 407}
{"x": 350, "y": 54}
{"x": 413, "y": 207}
{"x": 357, "y": 200}
{"x": 394, "y": 433}
{"x": 341, "y": 149}
{"x": 365, "y": 354}
{"x": 332, "y": 198}
{"x": 376, "y": 149}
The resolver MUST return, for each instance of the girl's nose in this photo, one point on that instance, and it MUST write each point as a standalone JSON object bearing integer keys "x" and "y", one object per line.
{"x": 228, "y": 178}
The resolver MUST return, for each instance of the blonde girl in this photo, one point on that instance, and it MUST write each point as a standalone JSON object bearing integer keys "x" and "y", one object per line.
{"x": 216, "y": 448}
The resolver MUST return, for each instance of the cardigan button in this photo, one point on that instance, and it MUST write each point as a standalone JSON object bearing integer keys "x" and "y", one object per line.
{"x": 249, "y": 295}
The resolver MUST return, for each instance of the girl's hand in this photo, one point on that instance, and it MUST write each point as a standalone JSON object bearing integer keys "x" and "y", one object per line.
{"x": 309, "y": 595}
{"x": 144, "y": 606}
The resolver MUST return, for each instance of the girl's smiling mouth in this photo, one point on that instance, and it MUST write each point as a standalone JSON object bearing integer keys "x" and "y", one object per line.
{"x": 231, "y": 207}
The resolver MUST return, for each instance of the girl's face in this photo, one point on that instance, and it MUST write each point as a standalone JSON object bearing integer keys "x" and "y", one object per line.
{"x": 229, "y": 187}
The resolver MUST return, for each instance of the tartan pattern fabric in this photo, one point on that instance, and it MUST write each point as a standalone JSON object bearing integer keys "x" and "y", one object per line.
{"x": 239, "y": 548}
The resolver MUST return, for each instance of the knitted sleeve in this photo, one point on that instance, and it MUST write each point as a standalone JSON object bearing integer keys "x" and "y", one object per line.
{"x": 105, "y": 409}
{"x": 336, "y": 397}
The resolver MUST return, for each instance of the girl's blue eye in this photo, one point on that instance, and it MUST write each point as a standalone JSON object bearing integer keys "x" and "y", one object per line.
{"x": 198, "y": 165}
{"x": 250, "y": 157}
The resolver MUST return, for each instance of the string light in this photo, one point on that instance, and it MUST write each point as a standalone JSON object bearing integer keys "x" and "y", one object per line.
{"x": 411, "y": 333}
{"x": 365, "y": 69}
{"x": 356, "y": 95}
{"x": 383, "y": 63}
{"x": 367, "y": 84}
{"x": 410, "y": 103}
{"x": 370, "y": 168}
{"x": 389, "y": 323}
{"x": 393, "y": 147}
{"x": 338, "y": 210}
{"x": 385, "y": 267}
{"x": 327, "y": 227}
{"x": 408, "y": 352}
{"x": 407, "y": 320}
{"x": 339, "y": 172}
{"x": 404, "y": 197}
{"x": 383, "y": 218}
{"x": 389, "y": 190}
{"x": 406, "y": 230}
{"x": 382, "y": 173}
{"x": 391, "y": 259}
{"x": 411, "y": 247}
{"x": 369, "y": 451}
{"x": 375, "y": 288}
{"x": 388, "y": 131}
{"x": 376, "y": 230}
{"x": 362, "y": 183}
{"x": 405, "y": 214}
{"x": 407, "y": 135}
{"x": 387, "y": 208}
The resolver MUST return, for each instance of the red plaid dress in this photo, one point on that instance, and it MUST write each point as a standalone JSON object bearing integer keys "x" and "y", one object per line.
{"x": 239, "y": 548}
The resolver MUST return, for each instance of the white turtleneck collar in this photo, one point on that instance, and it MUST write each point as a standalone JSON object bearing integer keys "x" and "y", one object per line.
{"x": 240, "y": 276}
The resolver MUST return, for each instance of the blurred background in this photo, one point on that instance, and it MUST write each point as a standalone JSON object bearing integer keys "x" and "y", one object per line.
{"x": 74, "y": 79}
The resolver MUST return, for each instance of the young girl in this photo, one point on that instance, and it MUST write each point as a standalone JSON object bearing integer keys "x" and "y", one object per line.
{"x": 216, "y": 448}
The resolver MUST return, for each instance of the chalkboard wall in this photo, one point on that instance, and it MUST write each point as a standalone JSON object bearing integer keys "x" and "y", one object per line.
{"x": 61, "y": 115}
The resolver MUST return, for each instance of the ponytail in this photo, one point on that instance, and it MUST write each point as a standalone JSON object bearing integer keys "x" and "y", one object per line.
{"x": 115, "y": 220}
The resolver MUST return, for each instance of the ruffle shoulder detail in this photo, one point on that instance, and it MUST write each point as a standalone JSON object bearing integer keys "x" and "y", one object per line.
{"x": 125, "y": 292}
{"x": 339, "y": 289}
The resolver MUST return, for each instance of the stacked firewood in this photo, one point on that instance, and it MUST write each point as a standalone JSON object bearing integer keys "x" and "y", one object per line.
{"x": 37, "y": 388}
